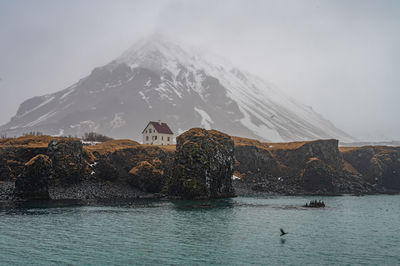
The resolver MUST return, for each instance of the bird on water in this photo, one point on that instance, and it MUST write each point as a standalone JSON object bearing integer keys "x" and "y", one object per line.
{"x": 283, "y": 232}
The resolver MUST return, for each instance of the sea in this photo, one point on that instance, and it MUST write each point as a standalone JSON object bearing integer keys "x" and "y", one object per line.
{"x": 350, "y": 230}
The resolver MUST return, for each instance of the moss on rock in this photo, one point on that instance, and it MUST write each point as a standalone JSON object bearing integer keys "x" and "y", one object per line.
{"x": 146, "y": 177}
{"x": 204, "y": 164}
{"x": 67, "y": 157}
{"x": 33, "y": 183}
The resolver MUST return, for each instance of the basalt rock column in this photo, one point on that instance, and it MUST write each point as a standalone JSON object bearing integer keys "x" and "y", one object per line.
{"x": 204, "y": 165}
{"x": 67, "y": 158}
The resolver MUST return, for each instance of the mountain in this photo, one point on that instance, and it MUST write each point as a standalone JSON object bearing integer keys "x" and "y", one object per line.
{"x": 157, "y": 79}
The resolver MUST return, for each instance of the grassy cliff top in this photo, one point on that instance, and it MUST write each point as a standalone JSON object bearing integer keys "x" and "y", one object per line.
{"x": 122, "y": 144}
{"x": 239, "y": 141}
{"x": 113, "y": 145}
{"x": 381, "y": 149}
{"x": 31, "y": 141}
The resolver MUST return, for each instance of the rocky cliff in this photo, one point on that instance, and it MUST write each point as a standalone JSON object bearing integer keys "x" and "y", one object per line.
{"x": 15, "y": 152}
{"x": 203, "y": 166}
{"x": 144, "y": 167}
{"x": 199, "y": 166}
{"x": 315, "y": 167}
{"x": 33, "y": 183}
{"x": 62, "y": 168}
{"x": 379, "y": 165}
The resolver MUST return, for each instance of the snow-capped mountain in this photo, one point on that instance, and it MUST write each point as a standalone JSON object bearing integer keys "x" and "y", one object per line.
{"x": 157, "y": 79}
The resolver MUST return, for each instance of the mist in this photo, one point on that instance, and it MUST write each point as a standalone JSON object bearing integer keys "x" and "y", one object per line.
{"x": 340, "y": 57}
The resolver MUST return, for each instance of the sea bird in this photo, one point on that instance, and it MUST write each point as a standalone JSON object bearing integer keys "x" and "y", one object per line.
{"x": 283, "y": 232}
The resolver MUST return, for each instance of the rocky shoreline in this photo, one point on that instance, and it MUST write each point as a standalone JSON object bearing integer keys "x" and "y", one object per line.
{"x": 199, "y": 167}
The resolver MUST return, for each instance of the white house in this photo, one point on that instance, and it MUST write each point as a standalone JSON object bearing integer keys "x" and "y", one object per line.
{"x": 157, "y": 133}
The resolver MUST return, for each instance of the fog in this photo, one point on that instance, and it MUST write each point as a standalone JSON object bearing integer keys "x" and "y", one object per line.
{"x": 340, "y": 57}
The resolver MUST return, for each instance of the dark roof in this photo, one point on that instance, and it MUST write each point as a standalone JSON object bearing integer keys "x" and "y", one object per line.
{"x": 160, "y": 127}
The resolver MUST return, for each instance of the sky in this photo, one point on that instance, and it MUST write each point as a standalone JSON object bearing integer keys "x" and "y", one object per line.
{"x": 341, "y": 57}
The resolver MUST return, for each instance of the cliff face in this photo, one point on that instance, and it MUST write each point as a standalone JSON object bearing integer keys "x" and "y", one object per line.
{"x": 67, "y": 160}
{"x": 307, "y": 166}
{"x": 51, "y": 167}
{"x": 316, "y": 167}
{"x": 148, "y": 177}
{"x": 203, "y": 167}
{"x": 200, "y": 166}
{"x": 379, "y": 165}
{"x": 14, "y": 153}
{"x": 33, "y": 183}
{"x": 144, "y": 167}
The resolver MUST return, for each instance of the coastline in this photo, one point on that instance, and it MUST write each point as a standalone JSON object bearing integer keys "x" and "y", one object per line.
{"x": 94, "y": 193}
{"x": 202, "y": 165}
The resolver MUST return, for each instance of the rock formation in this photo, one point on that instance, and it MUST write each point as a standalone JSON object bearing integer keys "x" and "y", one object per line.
{"x": 204, "y": 164}
{"x": 33, "y": 183}
{"x": 317, "y": 176}
{"x": 14, "y": 153}
{"x": 67, "y": 158}
{"x": 315, "y": 167}
{"x": 379, "y": 165}
{"x": 201, "y": 166}
{"x": 121, "y": 160}
{"x": 147, "y": 177}
{"x": 289, "y": 167}
{"x": 105, "y": 170}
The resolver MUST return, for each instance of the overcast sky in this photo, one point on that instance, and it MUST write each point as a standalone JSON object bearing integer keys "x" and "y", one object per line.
{"x": 340, "y": 57}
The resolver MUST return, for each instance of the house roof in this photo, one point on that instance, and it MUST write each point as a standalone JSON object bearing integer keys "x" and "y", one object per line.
{"x": 160, "y": 127}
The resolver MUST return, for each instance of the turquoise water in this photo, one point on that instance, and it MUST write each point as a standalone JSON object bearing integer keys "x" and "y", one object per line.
{"x": 239, "y": 231}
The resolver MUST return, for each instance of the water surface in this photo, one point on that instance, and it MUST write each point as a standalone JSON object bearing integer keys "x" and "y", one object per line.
{"x": 239, "y": 231}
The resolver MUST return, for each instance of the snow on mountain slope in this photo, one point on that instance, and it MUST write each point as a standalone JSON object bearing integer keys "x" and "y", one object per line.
{"x": 157, "y": 79}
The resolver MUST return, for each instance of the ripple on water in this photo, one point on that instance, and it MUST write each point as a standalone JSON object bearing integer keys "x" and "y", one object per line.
{"x": 239, "y": 231}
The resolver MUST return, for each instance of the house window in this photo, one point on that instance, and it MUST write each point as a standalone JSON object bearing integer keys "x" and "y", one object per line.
{"x": 147, "y": 138}
{"x": 155, "y": 137}
{"x": 162, "y": 138}
{"x": 149, "y": 130}
{"x": 168, "y": 138}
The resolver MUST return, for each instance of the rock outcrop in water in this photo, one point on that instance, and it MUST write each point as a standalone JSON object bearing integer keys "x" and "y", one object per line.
{"x": 315, "y": 204}
{"x": 33, "y": 183}
{"x": 204, "y": 164}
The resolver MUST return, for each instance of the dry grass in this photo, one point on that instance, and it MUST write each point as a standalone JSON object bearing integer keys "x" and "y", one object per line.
{"x": 112, "y": 146}
{"x": 121, "y": 144}
{"x": 379, "y": 149}
{"x": 286, "y": 145}
{"x": 312, "y": 159}
{"x": 245, "y": 141}
{"x": 30, "y": 141}
{"x": 349, "y": 168}
{"x": 269, "y": 145}
{"x": 163, "y": 147}
{"x": 346, "y": 149}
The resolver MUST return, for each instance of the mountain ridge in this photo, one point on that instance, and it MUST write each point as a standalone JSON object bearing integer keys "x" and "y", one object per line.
{"x": 157, "y": 79}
